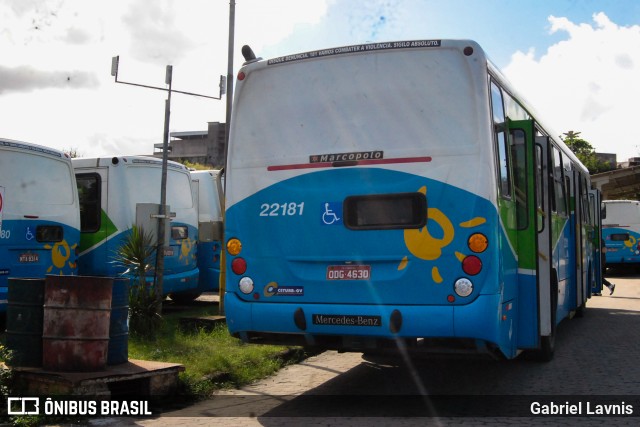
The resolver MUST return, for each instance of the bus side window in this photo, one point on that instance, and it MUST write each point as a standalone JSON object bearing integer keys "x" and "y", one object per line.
{"x": 592, "y": 209}
{"x": 518, "y": 157}
{"x": 89, "y": 195}
{"x": 560, "y": 196}
{"x": 539, "y": 189}
{"x": 501, "y": 141}
{"x": 586, "y": 212}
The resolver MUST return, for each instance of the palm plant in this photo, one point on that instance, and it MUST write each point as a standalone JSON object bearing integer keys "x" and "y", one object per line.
{"x": 135, "y": 255}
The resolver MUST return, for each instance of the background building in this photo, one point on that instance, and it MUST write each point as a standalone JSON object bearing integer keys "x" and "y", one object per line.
{"x": 620, "y": 183}
{"x": 204, "y": 147}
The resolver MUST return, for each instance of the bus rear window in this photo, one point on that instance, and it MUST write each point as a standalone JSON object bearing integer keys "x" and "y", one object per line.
{"x": 620, "y": 237}
{"x": 49, "y": 233}
{"x": 35, "y": 179}
{"x": 385, "y": 211}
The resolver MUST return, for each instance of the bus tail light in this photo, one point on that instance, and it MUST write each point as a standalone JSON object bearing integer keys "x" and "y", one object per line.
{"x": 234, "y": 246}
{"x": 463, "y": 287}
{"x": 478, "y": 243}
{"x": 471, "y": 265}
{"x": 239, "y": 266}
{"x": 246, "y": 285}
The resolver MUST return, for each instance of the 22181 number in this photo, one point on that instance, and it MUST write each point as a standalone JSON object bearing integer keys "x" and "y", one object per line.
{"x": 281, "y": 209}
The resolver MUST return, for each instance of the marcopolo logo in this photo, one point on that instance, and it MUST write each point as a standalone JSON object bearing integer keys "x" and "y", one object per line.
{"x": 346, "y": 157}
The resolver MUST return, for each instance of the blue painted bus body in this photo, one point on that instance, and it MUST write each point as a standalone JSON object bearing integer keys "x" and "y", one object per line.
{"x": 39, "y": 214}
{"x": 291, "y": 275}
{"x": 207, "y": 185}
{"x": 208, "y": 259}
{"x": 621, "y": 232}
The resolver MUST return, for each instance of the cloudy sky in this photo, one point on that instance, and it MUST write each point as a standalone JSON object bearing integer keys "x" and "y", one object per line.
{"x": 576, "y": 61}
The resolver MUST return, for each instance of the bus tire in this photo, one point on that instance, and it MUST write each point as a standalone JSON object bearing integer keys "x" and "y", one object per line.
{"x": 185, "y": 297}
{"x": 582, "y": 308}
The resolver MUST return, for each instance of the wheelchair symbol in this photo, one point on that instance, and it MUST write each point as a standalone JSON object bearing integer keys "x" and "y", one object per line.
{"x": 329, "y": 216}
{"x": 29, "y": 234}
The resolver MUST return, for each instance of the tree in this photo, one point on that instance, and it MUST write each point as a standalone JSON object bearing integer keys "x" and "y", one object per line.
{"x": 585, "y": 152}
{"x": 72, "y": 152}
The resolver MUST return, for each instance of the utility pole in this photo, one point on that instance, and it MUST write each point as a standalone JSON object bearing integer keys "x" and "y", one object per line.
{"x": 163, "y": 215}
{"x": 232, "y": 19}
{"x": 223, "y": 254}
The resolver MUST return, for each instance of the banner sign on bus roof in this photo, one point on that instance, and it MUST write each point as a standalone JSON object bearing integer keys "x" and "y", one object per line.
{"x": 356, "y": 48}
{"x": 158, "y": 163}
{"x": 36, "y": 148}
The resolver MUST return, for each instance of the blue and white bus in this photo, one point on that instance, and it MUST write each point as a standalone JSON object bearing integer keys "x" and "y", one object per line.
{"x": 119, "y": 192}
{"x": 621, "y": 232}
{"x": 400, "y": 196}
{"x": 39, "y": 213}
{"x": 207, "y": 185}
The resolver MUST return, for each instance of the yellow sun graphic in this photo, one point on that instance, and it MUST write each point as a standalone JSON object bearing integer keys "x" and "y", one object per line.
{"x": 60, "y": 254}
{"x": 422, "y": 245}
{"x": 186, "y": 251}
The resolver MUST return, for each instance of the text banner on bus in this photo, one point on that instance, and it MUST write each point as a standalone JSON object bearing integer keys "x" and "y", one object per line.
{"x": 355, "y": 48}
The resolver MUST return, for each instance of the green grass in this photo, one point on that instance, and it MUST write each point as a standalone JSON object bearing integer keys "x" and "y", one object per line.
{"x": 212, "y": 359}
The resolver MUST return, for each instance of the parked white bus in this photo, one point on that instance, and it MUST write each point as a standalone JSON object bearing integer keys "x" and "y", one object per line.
{"x": 621, "y": 232}
{"x": 39, "y": 213}
{"x": 116, "y": 193}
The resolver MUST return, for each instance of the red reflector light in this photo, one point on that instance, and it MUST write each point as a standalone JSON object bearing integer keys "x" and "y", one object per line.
{"x": 241, "y": 76}
{"x": 239, "y": 266}
{"x": 471, "y": 265}
{"x": 451, "y": 298}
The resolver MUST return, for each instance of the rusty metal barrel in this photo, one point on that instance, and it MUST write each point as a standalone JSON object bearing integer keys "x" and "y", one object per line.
{"x": 25, "y": 299}
{"x": 118, "y": 351}
{"x": 77, "y": 312}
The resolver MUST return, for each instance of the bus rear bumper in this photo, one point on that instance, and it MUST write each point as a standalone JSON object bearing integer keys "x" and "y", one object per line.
{"x": 180, "y": 282}
{"x": 352, "y": 327}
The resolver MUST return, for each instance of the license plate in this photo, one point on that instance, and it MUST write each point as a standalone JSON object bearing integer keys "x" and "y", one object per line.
{"x": 29, "y": 258}
{"x": 349, "y": 272}
{"x": 168, "y": 251}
